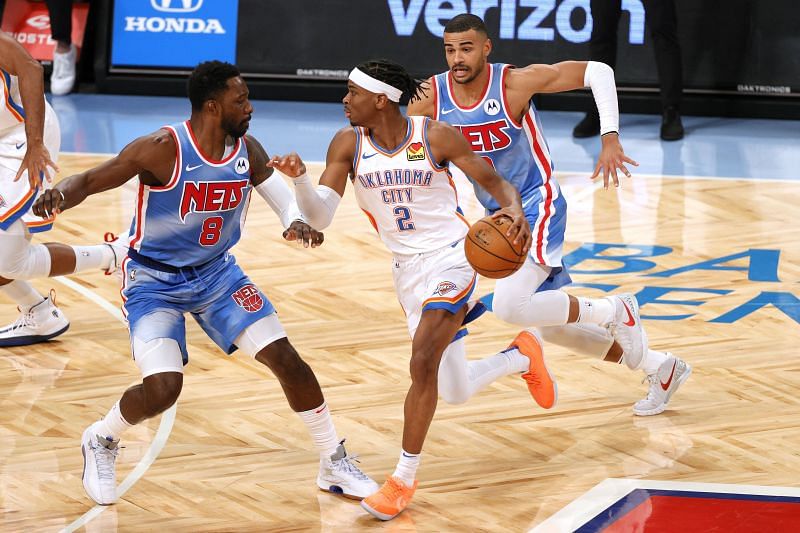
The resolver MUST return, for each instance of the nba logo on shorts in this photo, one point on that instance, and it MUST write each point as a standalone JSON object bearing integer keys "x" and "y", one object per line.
{"x": 2, "y": 202}
{"x": 248, "y": 298}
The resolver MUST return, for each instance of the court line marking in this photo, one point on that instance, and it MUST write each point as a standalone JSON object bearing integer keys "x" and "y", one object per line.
{"x": 162, "y": 433}
{"x": 609, "y": 491}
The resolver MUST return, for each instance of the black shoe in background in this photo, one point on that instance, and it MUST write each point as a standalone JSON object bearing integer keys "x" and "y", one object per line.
{"x": 671, "y": 126}
{"x": 588, "y": 127}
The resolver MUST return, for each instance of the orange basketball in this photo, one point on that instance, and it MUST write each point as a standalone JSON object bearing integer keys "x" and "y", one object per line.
{"x": 490, "y": 252}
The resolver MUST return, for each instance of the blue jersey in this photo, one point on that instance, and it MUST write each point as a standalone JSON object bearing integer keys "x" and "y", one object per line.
{"x": 517, "y": 150}
{"x": 198, "y": 215}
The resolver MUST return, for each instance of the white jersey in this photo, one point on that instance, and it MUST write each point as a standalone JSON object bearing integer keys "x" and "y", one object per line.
{"x": 409, "y": 198}
{"x": 16, "y": 197}
{"x": 11, "y": 112}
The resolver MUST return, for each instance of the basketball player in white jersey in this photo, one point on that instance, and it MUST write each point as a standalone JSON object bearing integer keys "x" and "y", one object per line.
{"x": 399, "y": 170}
{"x": 29, "y": 144}
{"x": 195, "y": 182}
{"x": 491, "y": 104}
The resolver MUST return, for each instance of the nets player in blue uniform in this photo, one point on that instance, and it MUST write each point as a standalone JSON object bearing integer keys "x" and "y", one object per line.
{"x": 491, "y": 104}
{"x": 195, "y": 181}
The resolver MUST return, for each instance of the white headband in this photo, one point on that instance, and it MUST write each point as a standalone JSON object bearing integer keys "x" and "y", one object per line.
{"x": 369, "y": 83}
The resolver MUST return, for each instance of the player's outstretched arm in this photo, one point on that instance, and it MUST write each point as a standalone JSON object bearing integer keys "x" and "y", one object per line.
{"x": 15, "y": 60}
{"x": 448, "y": 144}
{"x": 151, "y": 156}
{"x": 279, "y": 197}
{"x": 318, "y": 205}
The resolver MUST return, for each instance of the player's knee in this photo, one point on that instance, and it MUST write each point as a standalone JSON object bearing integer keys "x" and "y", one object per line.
{"x": 424, "y": 366}
{"x": 25, "y": 262}
{"x": 505, "y": 305}
{"x": 453, "y": 395}
{"x": 161, "y": 391}
{"x": 284, "y": 361}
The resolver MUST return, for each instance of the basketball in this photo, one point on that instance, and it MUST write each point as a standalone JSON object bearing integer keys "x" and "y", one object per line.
{"x": 490, "y": 252}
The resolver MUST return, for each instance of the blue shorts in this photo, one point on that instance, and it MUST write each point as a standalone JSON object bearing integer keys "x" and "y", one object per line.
{"x": 218, "y": 294}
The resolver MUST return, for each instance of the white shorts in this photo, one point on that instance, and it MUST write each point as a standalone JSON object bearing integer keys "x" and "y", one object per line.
{"x": 442, "y": 279}
{"x": 16, "y": 198}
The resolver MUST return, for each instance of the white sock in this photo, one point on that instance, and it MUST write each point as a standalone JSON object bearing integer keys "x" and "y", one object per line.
{"x": 585, "y": 339}
{"x": 113, "y": 425}
{"x": 598, "y": 311}
{"x": 516, "y": 361}
{"x": 93, "y": 257}
{"x": 653, "y": 361}
{"x": 320, "y": 426}
{"x": 23, "y": 294}
{"x": 406, "y": 469}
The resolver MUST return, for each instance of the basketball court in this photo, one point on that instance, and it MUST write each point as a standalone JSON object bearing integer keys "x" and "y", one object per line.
{"x": 706, "y": 234}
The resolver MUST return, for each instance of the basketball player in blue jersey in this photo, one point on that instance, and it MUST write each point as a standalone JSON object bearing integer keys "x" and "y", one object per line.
{"x": 491, "y": 104}
{"x": 398, "y": 167}
{"x": 195, "y": 179}
{"x": 29, "y": 142}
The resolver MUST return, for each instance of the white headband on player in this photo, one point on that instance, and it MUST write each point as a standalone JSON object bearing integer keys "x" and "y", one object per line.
{"x": 369, "y": 83}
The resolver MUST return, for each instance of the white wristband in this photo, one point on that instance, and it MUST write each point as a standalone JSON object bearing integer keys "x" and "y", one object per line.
{"x": 600, "y": 77}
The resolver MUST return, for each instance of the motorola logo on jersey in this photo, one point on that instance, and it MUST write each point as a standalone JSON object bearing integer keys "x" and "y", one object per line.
{"x": 176, "y": 6}
{"x": 491, "y": 107}
{"x": 487, "y": 137}
{"x": 242, "y": 165}
{"x": 522, "y": 20}
{"x": 211, "y": 196}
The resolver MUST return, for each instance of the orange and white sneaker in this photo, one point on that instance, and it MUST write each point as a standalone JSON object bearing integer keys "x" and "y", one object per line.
{"x": 392, "y": 498}
{"x": 541, "y": 384}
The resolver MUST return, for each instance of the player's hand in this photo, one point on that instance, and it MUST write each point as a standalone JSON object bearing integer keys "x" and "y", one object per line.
{"x": 520, "y": 230}
{"x": 612, "y": 157}
{"x": 38, "y": 164}
{"x": 303, "y": 233}
{"x": 50, "y": 202}
{"x": 291, "y": 165}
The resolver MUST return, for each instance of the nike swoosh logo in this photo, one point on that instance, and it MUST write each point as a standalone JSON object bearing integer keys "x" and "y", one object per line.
{"x": 20, "y": 145}
{"x": 365, "y": 156}
{"x": 318, "y": 411}
{"x": 665, "y": 386}
{"x": 189, "y": 168}
{"x": 631, "y": 321}
{"x": 446, "y": 111}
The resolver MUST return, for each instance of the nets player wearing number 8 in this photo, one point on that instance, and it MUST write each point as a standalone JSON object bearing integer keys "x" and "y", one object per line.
{"x": 399, "y": 170}
{"x": 195, "y": 181}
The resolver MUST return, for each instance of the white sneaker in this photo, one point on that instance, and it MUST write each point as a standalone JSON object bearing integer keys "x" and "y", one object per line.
{"x": 339, "y": 475}
{"x": 627, "y": 330}
{"x": 63, "y": 78}
{"x": 42, "y": 322}
{"x": 663, "y": 384}
{"x": 99, "y": 473}
{"x": 118, "y": 245}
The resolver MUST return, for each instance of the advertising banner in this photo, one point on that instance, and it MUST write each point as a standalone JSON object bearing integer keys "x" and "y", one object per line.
{"x": 173, "y": 33}
{"x": 735, "y": 46}
{"x": 29, "y": 23}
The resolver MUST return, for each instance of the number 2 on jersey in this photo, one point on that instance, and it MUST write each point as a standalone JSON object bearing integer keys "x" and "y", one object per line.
{"x": 404, "y": 221}
{"x": 211, "y": 231}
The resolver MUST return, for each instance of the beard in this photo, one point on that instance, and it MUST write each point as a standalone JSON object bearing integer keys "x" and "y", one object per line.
{"x": 236, "y": 129}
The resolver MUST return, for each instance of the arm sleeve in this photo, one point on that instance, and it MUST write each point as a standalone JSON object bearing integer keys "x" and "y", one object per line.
{"x": 280, "y": 198}
{"x": 317, "y": 206}
{"x": 600, "y": 78}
